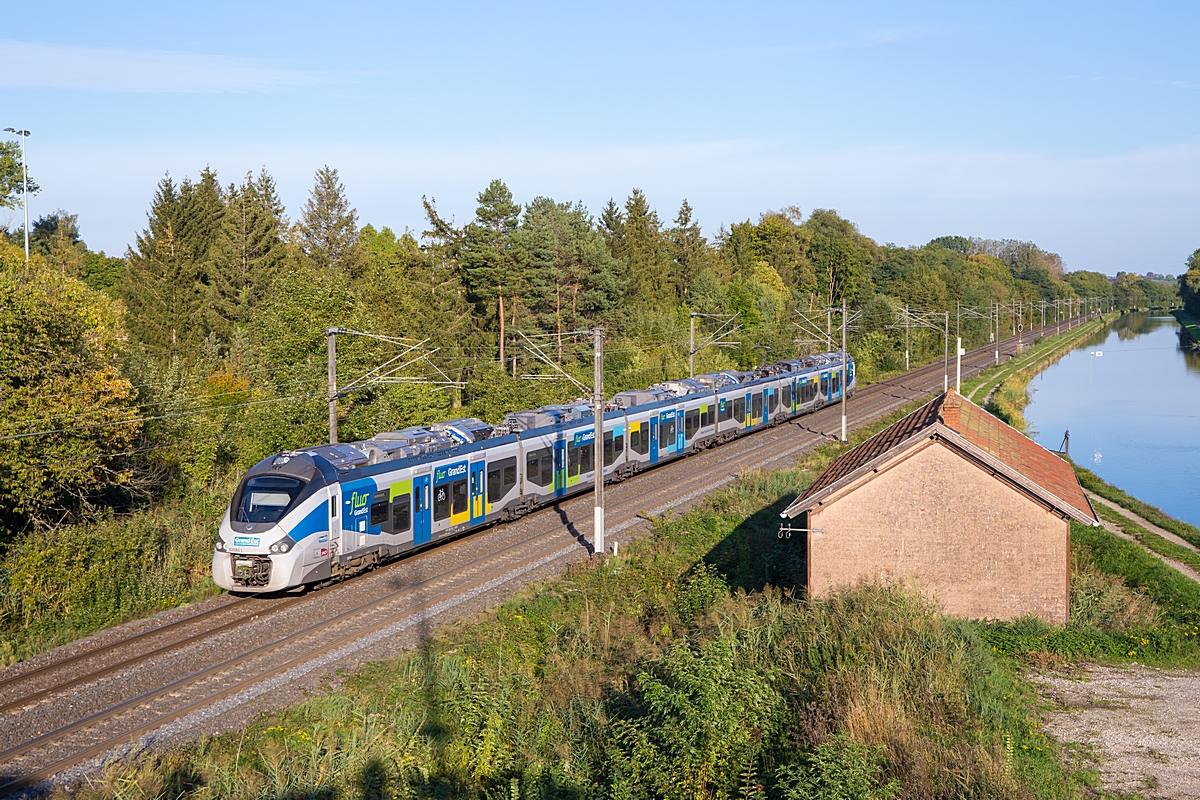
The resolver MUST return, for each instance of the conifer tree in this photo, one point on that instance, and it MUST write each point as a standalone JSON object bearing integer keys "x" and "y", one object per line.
{"x": 327, "y": 233}
{"x": 689, "y": 250}
{"x": 570, "y": 277}
{"x": 156, "y": 301}
{"x": 486, "y": 255}
{"x": 612, "y": 224}
{"x": 247, "y": 254}
{"x": 166, "y": 279}
{"x": 643, "y": 248}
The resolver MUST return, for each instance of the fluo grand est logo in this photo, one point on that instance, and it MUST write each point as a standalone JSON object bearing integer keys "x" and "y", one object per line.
{"x": 450, "y": 472}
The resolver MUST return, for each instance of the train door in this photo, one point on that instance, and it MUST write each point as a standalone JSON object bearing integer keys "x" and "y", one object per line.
{"x": 478, "y": 470}
{"x": 680, "y": 433}
{"x": 335, "y": 526}
{"x": 746, "y": 419}
{"x": 654, "y": 439}
{"x": 560, "y": 468}
{"x": 422, "y": 521}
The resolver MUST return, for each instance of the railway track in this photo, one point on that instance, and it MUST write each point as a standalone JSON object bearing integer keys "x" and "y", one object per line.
{"x": 142, "y": 682}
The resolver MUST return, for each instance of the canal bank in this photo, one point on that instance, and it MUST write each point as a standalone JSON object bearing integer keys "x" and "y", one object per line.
{"x": 1126, "y": 394}
{"x": 1190, "y": 325}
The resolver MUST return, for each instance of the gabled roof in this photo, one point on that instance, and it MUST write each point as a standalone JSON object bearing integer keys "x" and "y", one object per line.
{"x": 965, "y": 426}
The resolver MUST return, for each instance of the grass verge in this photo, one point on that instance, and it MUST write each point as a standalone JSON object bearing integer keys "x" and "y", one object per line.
{"x": 1189, "y": 323}
{"x": 1167, "y": 636}
{"x": 59, "y": 585}
{"x": 1149, "y": 539}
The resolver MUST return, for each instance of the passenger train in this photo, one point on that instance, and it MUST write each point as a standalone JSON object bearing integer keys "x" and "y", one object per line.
{"x": 328, "y": 512}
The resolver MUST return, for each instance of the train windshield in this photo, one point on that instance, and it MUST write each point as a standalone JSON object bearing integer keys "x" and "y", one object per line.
{"x": 265, "y": 498}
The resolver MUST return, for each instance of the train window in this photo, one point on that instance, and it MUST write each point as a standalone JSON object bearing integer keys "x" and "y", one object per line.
{"x": 787, "y": 397}
{"x": 539, "y": 467}
{"x": 580, "y": 459}
{"x": 739, "y": 409}
{"x": 332, "y": 507}
{"x": 773, "y": 401}
{"x": 459, "y": 501}
{"x": 837, "y": 381}
{"x": 809, "y": 391}
{"x": 379, "y": 509}
{"x": 756, "y": 406}
{"x": 706, "y": 416}
{"x": 501, "y": 477}
{"x": 401, "y": 513}
{"x": 726, "y": 410}
{"x": 691, "y": 424}
{"x": 614, "y": 447}
{"x": 666, "y": 433}
{"x": 639, "y": 439}
{"x": 441, "y": 501}
{"x": 265, "y": 498}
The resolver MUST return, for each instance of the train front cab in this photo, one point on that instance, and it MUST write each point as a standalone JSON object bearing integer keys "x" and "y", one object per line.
{"x": 276, "y": 531}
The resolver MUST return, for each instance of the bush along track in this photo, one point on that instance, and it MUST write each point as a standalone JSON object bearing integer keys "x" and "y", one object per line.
{"x": 687, "y": 667}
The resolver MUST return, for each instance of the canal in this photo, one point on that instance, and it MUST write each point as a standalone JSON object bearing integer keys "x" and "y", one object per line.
{"x": 1129, "y": 396}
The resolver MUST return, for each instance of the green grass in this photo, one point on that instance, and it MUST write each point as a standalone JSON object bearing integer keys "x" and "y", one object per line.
{"x": 1175, "y": 642}
{"x": 1164, "y": 547}
{"x": 59, "y": 585}
{"x": 1094, "y": 483}
{"x": 1189, "y": 323}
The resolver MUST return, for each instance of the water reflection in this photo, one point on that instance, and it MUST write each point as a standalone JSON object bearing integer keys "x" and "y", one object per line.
{"x": 1128, "y": 396}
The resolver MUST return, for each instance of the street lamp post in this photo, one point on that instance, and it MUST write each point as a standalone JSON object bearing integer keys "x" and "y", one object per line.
{"x": 24, "y": 184}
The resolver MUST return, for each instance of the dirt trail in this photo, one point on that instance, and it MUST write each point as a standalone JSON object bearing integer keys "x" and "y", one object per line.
{"x": 1139, "y": 723}
{"x": 1150, "y": 526}
{"x": 1178, "y": 566}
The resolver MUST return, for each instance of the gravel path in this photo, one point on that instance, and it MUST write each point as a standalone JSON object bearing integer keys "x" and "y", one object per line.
{"x": 1140, "y": 723}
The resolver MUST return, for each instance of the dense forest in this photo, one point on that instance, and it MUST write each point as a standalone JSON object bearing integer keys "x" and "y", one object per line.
{"x": 203, "y": 348}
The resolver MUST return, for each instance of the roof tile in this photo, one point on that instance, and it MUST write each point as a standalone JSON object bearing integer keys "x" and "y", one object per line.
{"x": 1003, "y": 442}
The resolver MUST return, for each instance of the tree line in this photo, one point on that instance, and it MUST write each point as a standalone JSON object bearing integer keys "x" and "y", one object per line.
{"x": 202, "y": 349}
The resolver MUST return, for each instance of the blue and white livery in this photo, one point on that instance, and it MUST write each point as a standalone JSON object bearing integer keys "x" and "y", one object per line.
{"x": 328, "y": 512}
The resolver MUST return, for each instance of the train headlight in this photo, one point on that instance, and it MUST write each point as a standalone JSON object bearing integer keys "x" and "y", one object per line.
{"x": 282, "y": 546}
{"x": 220, "y": 546}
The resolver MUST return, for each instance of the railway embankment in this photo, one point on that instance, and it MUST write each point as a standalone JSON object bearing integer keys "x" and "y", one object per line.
{"x": 686, "y": 665}
{"x": 119, "y": 570}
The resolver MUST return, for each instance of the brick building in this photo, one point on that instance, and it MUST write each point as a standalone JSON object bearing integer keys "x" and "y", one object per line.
{"x": 971, "y": 509}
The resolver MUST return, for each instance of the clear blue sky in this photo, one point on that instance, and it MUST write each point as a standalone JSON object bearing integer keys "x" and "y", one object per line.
{"x": 1073, "y": 125}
